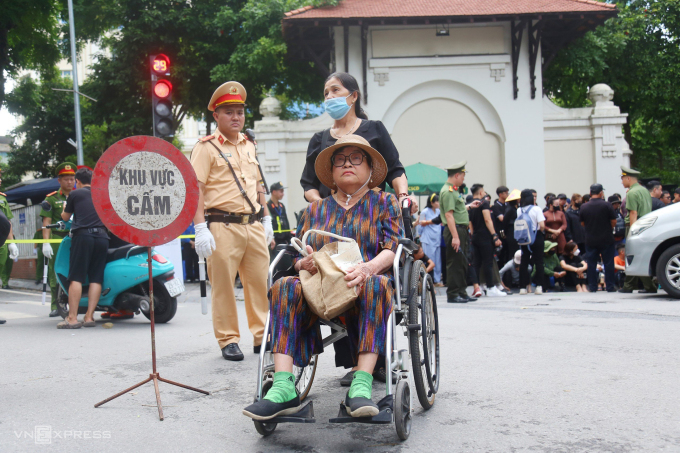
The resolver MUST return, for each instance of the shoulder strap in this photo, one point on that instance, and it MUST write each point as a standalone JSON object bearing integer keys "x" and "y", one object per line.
{"x": 238, "y": 184}
{"x": 259, "y": 167}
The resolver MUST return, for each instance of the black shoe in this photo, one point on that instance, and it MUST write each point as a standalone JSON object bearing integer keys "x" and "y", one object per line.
{"x": 256, "y": 349}
{"x": 624, "y": 290}
{"x": 644, "y": 291}
{"x": 5, "y": 286}
{"x": 54, "y": 314}
{"x": 360, "y": 407}
{"x": 346, "y": 380}
{"x": 2, "y": 321}
{"x": 266, "y": 410}
{"x": 380, "y": 375}
{"x": 457, "y": 300}
{"x": 469, "y": 298}
{"x": 232, "y": 352}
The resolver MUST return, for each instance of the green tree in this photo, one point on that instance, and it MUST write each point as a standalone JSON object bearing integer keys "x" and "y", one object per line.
{"x": 47, "y": 126}
{"x": 637, "y": 54}
{"x": 28, "y": 37}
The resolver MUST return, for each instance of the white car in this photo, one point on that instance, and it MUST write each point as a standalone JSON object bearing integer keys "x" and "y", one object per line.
{"x": 653, "y": 248}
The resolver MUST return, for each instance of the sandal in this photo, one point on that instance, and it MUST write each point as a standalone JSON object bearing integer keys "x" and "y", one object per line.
{"x": 89, "y": 323}
{"x": 66, "y": 325}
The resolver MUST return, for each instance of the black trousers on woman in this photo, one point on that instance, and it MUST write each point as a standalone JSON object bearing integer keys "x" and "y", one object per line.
{"x": 535, "y": 257}
{"x": 483, "y": 257}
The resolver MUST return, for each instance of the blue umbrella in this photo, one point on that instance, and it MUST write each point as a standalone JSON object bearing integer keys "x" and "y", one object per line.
{"x": 35, "y": 192}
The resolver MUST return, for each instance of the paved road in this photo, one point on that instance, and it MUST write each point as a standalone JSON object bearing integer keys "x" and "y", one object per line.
{"x": 558, "y": 372}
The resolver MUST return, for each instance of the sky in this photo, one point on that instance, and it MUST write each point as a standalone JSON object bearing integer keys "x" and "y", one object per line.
{"x": 7, "y": 121}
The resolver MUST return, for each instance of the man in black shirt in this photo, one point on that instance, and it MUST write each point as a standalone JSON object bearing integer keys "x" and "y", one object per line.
{"x": 655, "y": 190}
{"x": 88, "y": 251}
{"x": 484, "y": 238}
{"x": 599, "y": 220}
{"x": 498, "y": 211}
{"x": 282, "y": 232}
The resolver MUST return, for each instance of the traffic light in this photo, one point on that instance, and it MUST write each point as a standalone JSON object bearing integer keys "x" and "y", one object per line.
{"x": 161, "y": 96}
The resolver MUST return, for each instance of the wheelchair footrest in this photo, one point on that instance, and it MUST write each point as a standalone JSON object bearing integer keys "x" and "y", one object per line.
{"x": 304, "y": 415}
{"x": 384, "y": 417}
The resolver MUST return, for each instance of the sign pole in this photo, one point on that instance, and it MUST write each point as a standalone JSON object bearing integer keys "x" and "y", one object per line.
{"x": 121, "y": 188}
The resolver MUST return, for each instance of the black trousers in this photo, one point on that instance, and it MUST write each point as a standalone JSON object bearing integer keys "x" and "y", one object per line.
{"x": 483, "y": 251}
{"x": 190, "y": 259}
{"x": 535, "y": 257}
{"x": 608, "y": 252}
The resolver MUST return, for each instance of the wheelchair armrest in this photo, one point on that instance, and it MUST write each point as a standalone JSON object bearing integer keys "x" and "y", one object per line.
{"x": 409, "y": 245}
{"x": 289, "y": 249}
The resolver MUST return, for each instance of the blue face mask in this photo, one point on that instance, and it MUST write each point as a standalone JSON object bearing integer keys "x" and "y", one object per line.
{"x": 337, "y": 108}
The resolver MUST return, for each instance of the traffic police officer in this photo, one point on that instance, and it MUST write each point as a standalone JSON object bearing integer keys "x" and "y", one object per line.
{"x": 231, "y": 198}
{"x": 8, "y": 252}
{"x": 454, "y": 215}
{"x": 277, "y": 210}
{"x": 66, "y": 175}
{"x": 638, "y": 203}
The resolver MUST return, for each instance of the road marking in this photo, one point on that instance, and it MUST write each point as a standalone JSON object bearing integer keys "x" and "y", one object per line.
{"x": 25, "y": 302}
{"x": 15, "y": 315}
{"x": 11, "y": 291}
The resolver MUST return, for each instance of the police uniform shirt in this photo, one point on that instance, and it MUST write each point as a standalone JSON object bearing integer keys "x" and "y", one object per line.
{"x": 221, "y": 191}
{"x": 4, "y": 207}
{"x": 57, "y": 201}
{"x": 638, "y": 199}
{"x": 451, "y": 200}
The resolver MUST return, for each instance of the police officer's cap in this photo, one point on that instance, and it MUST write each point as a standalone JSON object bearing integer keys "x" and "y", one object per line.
{"x": 457, "y": 168}
{"x": 276, "y": 186}
{"x": 230, "y": 93}
{"x": 625, "y": 171}
{"x": 66, "y": 169}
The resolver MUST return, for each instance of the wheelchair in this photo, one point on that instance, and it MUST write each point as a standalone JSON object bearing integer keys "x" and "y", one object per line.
{"x": 414, "y": 309}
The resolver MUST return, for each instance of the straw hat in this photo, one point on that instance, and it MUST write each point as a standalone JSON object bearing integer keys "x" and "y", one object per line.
{"x": 514, "y": 195}
{"x": 324, "y": 169}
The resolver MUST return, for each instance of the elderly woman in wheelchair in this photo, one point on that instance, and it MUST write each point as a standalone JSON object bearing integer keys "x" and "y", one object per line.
{"x": 373, "y": 218}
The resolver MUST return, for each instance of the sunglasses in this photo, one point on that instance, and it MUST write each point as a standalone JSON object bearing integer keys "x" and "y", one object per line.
{"x": 356, "y": 158}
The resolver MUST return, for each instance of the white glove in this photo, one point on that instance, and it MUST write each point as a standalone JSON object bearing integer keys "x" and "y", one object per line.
{"x": 268, "y": 230}
{"x": 47, "y": 250}
{"x": 13, "y": 251}
{"x": 205, "y": 242}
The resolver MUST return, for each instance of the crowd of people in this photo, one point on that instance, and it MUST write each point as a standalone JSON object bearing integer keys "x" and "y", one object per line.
{"x": 576, "y": 243}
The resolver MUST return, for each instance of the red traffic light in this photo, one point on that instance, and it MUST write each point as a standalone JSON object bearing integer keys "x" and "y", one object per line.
{"x": 160, "y": 64}
{"x": 162, "y": 89}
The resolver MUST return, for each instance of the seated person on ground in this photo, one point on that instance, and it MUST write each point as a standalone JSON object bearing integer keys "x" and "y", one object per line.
{"x": 510, "y": 272}
{"x": 551, "y": 267}
{"x": 575, "y": 267}
{"x": 373, "y": 218}
{"x": 620, "y": 263}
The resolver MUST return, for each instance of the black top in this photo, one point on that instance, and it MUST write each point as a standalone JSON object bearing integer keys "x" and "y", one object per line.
{"x": 575, "y": 231}
{"x": 657, "y": 204}
{"x": 575, "y": 261}
{"x": 282, "y": 234}
{"x": 477, "y": 219}
{"x": 597, "y": 215}
{"x": 80, "y": 204}
{"x": 509, "y": 221}
{"x": 378, "y": 137}
{"x": 497, "y": 210}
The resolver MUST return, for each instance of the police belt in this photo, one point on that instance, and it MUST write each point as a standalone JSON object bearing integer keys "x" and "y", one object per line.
{"x": 216, "y": 215}
{"x": 88, "y": 230}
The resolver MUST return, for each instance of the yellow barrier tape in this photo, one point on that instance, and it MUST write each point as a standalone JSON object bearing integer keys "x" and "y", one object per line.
{"x": 57, "y": 241}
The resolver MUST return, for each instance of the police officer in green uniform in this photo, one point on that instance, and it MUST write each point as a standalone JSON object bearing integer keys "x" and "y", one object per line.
{"x": 8, "y": 252}
{"x": 57, "y": 200}
{"x": 454, "y": 215}
{"x": 282, "y": 233}
{"x": 638, "y": 203}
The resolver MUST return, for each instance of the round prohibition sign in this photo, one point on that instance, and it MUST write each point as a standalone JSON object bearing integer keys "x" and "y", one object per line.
{"x": 145, "y": 190}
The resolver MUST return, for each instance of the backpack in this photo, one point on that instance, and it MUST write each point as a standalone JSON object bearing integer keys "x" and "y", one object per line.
{"x": 620, "y": 228}
{"x": 524, "y": 229}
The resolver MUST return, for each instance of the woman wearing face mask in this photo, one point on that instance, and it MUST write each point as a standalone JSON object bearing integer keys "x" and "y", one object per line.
{"x": 576, "y": 231}
{"x": 555, "y": 224}
{"x": 576, "y": 268}
{"x": 343, "y": 104}
{"x": 430, "y": 234}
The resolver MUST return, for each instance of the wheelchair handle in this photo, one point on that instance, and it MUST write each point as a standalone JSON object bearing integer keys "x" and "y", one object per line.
{"x": 300, "y": 245}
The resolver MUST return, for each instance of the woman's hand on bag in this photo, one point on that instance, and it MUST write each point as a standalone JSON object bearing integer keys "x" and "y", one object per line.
{"x": 358, "y": 274}
{"x": 307, "y": 263}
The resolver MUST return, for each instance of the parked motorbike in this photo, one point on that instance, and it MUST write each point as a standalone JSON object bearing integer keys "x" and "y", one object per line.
{"x": 126, "y": 281}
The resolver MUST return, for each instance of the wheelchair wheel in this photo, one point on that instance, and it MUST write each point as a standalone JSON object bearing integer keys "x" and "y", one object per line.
{"x": 424, "y": 342}
{"x": 305, "y": 376}
{"x": 263, "y": 428}
{"x": 402, "y": 409}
